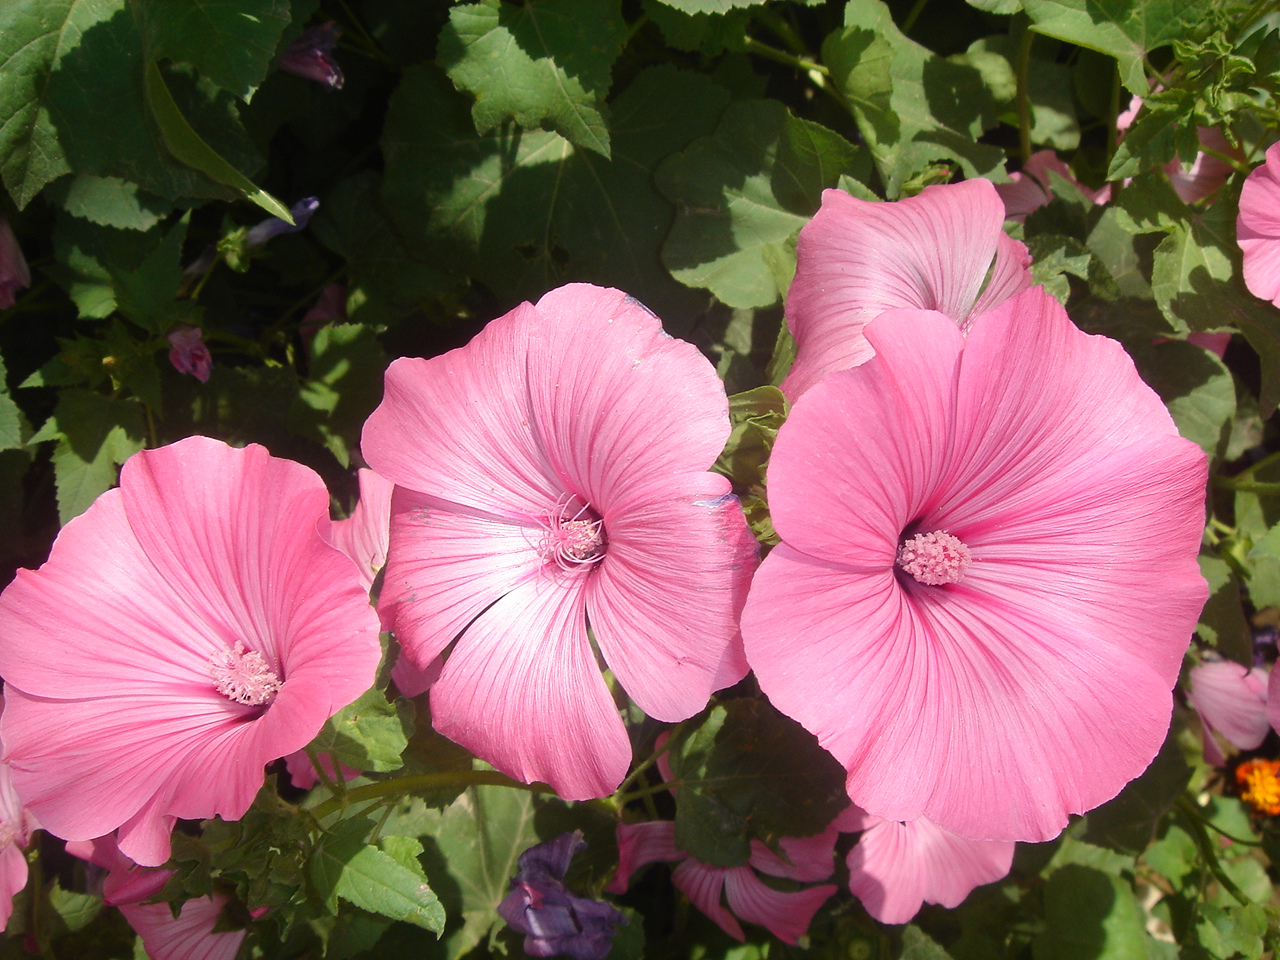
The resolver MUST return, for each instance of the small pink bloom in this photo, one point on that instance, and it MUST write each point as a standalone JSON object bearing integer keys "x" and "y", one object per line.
{"x": 785, "y": 915}
{"x": 189, "y": 936}
{"x": 310, "y": 56}
{"x": 188, "y": 628}
{"x": 550, "y": 473}
{"x": 1031, "y": 188}
{"x": 190, "y": 354}
{"x": 302, "y": 772}
{"x": 1231, "y": 701}
{"x": 999, "y": 689}
{"x": 16, "y": 827}
{"x": 14, "y": 273}
{"x": 895, "y": 868}
{"x": 943, "y": 250}
{"x": 1258, "y": 228}
{"x": 1208, "y": 171}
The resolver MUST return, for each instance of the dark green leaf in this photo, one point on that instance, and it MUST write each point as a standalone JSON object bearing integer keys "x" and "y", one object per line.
{"x": 1090, "y": 915}
{"x": 109, "y": 202}
{"x": 13, "y": 425}
{"x": 1222, "y": 622}
{"x": 708, "y": 33}
{"x": 232, "y": 42}
{"x": 540, "y": 61}
{"x": 747, "y": 771}
{"x": 918, "y": 945}
{"x": 1196, "y": 387}
{"x": 710, "y": 6}
{"x": 1129, "y": 822}
{"x": 344, "y": 387}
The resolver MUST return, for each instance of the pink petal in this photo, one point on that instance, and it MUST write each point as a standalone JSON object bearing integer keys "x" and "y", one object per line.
{"x": 895, "y": 867}
{"x": 856, "y": 260}
{"x": 303, "y": 775}
{"x": 523, "y": 692}
{"x": 703, "y": 886}
{"x": 1258, "y": 228}
{"x": 1273, "y": 700}
{"x": 13, "y": 877}
{"x": 188, "y": 937}
{"x": 785, "y": 915}
{"x": 1232, "y": 701}
{"x": 110, "y": 643}
{"x": 640, "y": 844}
{"x": 363, "y": 536}
{"x": 411, "y": 680}
{"x": 808, "y": 859}
{"x": 1040, "y": 448}
{"x": 1207, "y": 173}
{"x": 644, "y": 590}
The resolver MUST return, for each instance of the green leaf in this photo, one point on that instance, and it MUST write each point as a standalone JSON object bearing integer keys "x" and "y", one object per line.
{"x": 918, "y": 945}
{"x": 1090, "y": 915}
{"x": 345, "y": 865}
{"x": 1235, "y": 931}
{"x": 75, "y": 910}
{"x": 742, "y": 195}
{"x": 707, "y": 33}
{"x": 746, "y": 770}
{"x": 109, "y": 202}
{"x": 937, "y": 107}
{"x": 95, "y": 435}
{"x": 710, "y": 6}
{"x": 13, "y": 425}
{"x": 232, "y": 42}
{"x": 1264, "y": 581}
{"x": 147, "y": 295}
{"x": 1049, "y": 88}
{"x": 1125, "y": 29}
{"x": 1174, "y": 855}
{"x": 343, "y": 388}
{"x": 543, "y": 61}
{"x": 1129, "y": 821}
{"x": 526, "y": 213}
{"x": 189, "y": 147}
{"x": 1222, "y": 622}
{"x": 1196, "y": 387}
{"x": 370, "y": 734}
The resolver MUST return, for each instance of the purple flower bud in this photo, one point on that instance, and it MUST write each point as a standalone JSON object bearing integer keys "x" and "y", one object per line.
{"x": 189, "y": 353}
{"x": 14, "y": 275}
{"x": 274, "y": 226}
{"x": 308, "y": 56}
{"x": 554, "y": 921}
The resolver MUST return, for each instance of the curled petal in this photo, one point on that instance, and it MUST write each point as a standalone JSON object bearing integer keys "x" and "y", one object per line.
{"x": 784, "y": 914}
{"x": 704, "y": 887}
{"x": 640, "y": 844}
{"x": 1232, "y": 700}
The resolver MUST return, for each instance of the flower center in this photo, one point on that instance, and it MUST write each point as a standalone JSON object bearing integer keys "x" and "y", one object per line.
{"x": 934, "y": 558}
{"x": 573, "y": 535}
{"x": 244, "y": 677}
{"x": 1261, "y": 782}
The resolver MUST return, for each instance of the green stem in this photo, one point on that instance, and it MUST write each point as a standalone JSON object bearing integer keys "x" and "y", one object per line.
{"x": 336, "y": 789}
{"x": 1247, "y": 486}
{"x": 403, "y": 786}
{"x": 913, "y": 16}
{"x": 1195, "y": 819}
{"x": 641, "y": 22}
{"x": 1113, "y": 135}
{"x": 1024, "y": 95}
{"x": 771, "y": 20}
{"x": 781, "y": 56}
{"x": 646, "y": 792}
{"x": 1266, "y": 461}
{"x": 648, "y": 762}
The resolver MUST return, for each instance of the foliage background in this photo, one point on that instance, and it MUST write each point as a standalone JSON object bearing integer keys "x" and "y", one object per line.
{"x": 482, "y": 153}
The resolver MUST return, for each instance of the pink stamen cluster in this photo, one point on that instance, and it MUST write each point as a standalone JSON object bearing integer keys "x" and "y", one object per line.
{"x": 570, "y": 541}
{"x": 934, "y": 558}
{"x": 243, "y": 677}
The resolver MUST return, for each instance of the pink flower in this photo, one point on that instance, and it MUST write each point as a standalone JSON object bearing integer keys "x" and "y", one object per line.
{"x": 190, "y": 354}
{"x": 310, "y": 57}
{"x": 14, "y": 273}
{"x": 551, "y": 472}
{"x": 1208, "y": 171}
{"x": 966, "y": 523}
{"x": 785, "y": 915}
{"x": 364, "y": 535}
{"x": 188, "y": 628}
{"x": 16, "y": 828}
{"x": 896, "y": 867}
{"x": 303, "y": 775}
{"x": 189, "y": 936}
{"x": 944, "y": 250}
{"x": 1258, "y": 228}
{"x": 1031, "y": 188}
{"x": 1232, "y": 701}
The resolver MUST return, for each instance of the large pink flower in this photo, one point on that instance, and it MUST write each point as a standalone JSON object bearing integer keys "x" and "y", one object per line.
{"x": 987, "y": 575}
{"x": 894, "y": 868}
{"x": 1258, "y": 228}
{"x": 551, "y": 472}
{"x": 785, "y": 914}
{"x": 188, "y": 628}
{"x": 943, "y": 250}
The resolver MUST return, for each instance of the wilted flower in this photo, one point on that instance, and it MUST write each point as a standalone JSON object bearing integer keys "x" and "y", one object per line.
{"x": 554, "y": 471}
{"x": 965, "y": 522}
{"x": 1232, "y": 701}
{"x": 1258, "y": 228}
{"x": 943, "y": 250}
{"x": 188, "y": 628}
{"x": 190, "y": 354}
{"x": 785, "y": 914}
{"x": 14, "y": 273}
{"x": 309, "y": 56}
{"x": 895, "y": 868}
{"x": 554, "y": 921}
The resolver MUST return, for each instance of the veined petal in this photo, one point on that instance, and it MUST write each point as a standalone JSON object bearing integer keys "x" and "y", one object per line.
{"x": 856, "y": 259}
{"x": 785, "y": 915}
{"x": 522, "y": 691}
{"x": 364, "y": 535}
{"x": 445, "y": 566}
{"x": 674, "y": 548}
{"x": 640, "y": 844}
{"x": 704, "y": 887}
{"x": 13, "y": 877}
{"x": 896, "y": 867}
{"x": 1232, "y": 701}
{"x": 459, "y": 426}
{"x": 190, "y": 935}
{"x": 1258, "y": 228}
{"x": 808, "y": 858}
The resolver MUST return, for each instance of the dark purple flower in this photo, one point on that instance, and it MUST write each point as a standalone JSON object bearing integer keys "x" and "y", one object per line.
{"x": 14, "y": 274}
{"x": 308, "y": 56}
{"x": 554, "y": 921}
{"x": 189, "y": 353}
{"x": 274, "y": 226}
